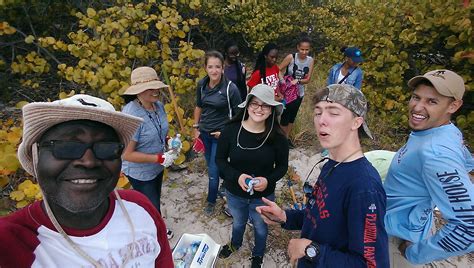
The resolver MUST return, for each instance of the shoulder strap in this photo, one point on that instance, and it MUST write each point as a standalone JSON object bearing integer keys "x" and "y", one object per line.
{"x": 228, "y": 100}
{"x": 347, "y": 75}
{"x": 288, "y": 66}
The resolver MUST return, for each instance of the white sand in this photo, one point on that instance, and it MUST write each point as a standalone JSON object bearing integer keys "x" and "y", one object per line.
{"x": 183, "y": 200}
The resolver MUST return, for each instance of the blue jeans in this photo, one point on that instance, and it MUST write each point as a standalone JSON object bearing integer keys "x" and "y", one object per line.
{"x": 151, "y": 189}
{"x": 240, "y": 208}
{"x": 210, "y": 145}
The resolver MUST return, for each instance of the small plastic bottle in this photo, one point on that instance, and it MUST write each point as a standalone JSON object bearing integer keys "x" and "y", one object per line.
{"x": 250, "y": 183}
{"x": 176, "y": 142}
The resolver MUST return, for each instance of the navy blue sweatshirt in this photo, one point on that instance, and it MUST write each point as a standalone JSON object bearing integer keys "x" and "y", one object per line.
{"x": 345, "y": 217}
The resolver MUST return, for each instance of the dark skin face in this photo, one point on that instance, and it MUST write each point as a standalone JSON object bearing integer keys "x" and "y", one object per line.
{"x": 77, "y": 190}
{"x": 271, "y": 57}
{"x": 233, "y": 54}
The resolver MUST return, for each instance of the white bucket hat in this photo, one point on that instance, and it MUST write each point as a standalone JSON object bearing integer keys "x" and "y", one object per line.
{"x": 38, "y": 117}
{"x": 142, "y": 79}
{"x": 266, "y": 94}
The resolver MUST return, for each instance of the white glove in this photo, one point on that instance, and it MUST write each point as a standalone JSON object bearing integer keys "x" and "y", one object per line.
{"x": 169, "y": 157}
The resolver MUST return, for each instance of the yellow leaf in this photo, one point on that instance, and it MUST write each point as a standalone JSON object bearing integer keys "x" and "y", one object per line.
{"x": 4, "y": 181}
{"x": 22, "y": 204}
{"x": 169, "y": 117}
{"x": 168, "y": 107}
{"x": 13, "y": 137}
{"x": 181, "y": 34}
{"x": 159, "y": 25}
{"x": 389, "y": 105}
{"x": 180, "y": 159}
{"x": 186, "y": 146}
{"x": 17, "y": 195}
{"x": 29, "y": 39}
{"x": 123, "y": 182}
{"x": 31, "y": 191}
{"x": 25, "y": 184}
{"x": 20, "y": 104}
{"x": 91, "y": 12}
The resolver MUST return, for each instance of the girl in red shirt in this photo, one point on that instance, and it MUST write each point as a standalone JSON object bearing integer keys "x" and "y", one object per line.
{"x": 266, "y": 70}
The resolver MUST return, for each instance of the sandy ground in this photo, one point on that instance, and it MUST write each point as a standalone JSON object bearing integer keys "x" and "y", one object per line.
{"x": 183, "y": 200}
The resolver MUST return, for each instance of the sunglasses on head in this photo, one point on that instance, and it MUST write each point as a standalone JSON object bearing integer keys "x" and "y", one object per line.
{"x": 70, "y": 150}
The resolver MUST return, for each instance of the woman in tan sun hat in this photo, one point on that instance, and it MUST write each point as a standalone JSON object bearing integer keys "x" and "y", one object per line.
{"x": 145, "y": 157}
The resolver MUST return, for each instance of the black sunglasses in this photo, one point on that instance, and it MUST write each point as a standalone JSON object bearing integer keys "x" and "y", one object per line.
{"x": 70, "y": 150}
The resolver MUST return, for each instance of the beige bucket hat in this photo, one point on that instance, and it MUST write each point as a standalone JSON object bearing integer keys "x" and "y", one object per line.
{"x": 38, "y": 117}
{"x": 144, "y": 78}
{"x": 266, "y": 94}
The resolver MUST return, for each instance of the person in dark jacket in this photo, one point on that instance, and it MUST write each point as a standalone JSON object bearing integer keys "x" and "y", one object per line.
{"x": 252, "y": 155}
{"x": 342, "y": 224}
{"x": 234, "y": 69}
{"x": 216, "y": 102}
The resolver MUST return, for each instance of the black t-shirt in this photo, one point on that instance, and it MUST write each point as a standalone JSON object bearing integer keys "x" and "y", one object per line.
{"x": 269, "y": 161}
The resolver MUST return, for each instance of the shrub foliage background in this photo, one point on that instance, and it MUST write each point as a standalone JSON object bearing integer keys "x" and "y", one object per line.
{"x": 59, "y": 48}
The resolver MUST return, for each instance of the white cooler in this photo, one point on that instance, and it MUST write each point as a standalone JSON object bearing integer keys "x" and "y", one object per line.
{"x": 204, "y": 257}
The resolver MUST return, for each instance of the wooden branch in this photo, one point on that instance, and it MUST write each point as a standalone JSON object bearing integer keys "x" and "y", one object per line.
{"x": 40, "y": 47}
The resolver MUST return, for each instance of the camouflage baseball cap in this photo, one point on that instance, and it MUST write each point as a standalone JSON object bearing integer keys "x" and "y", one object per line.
{"x": 349, "y": 97}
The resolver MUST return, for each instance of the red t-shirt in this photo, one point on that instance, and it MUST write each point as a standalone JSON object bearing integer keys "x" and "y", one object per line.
{"x": 271, "y": 79}
{"x": 29, "y": 239}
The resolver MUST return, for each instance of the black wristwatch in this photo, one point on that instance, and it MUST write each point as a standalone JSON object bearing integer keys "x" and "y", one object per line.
{"x": 311, "y": 251}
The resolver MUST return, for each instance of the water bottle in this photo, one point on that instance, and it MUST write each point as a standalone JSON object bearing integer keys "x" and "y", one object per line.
{"x": 176, "y": 142}
{"x": 250, "y": 183}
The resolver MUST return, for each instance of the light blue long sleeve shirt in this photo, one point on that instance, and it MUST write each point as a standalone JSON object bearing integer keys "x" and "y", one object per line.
{"x": 431, "y": 170}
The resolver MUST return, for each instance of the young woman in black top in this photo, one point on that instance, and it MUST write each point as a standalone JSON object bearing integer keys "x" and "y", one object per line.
{"x": 252, "y": 147}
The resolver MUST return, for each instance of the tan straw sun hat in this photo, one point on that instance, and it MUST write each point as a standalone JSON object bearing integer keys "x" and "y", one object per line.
{"x": 38, "y": 117}
{"x": 144, "y": 78}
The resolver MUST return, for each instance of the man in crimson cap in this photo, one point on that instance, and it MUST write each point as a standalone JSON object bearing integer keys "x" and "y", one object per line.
{"x": 431, "y": 171}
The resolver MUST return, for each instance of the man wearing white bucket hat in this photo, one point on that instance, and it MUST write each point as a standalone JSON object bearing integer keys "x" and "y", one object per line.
{"x": 73, "y": 148}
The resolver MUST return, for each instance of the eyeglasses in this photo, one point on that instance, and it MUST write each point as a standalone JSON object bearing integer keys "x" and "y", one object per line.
{"x": 264, "y": 107}
{"x": 70, "y": 150}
